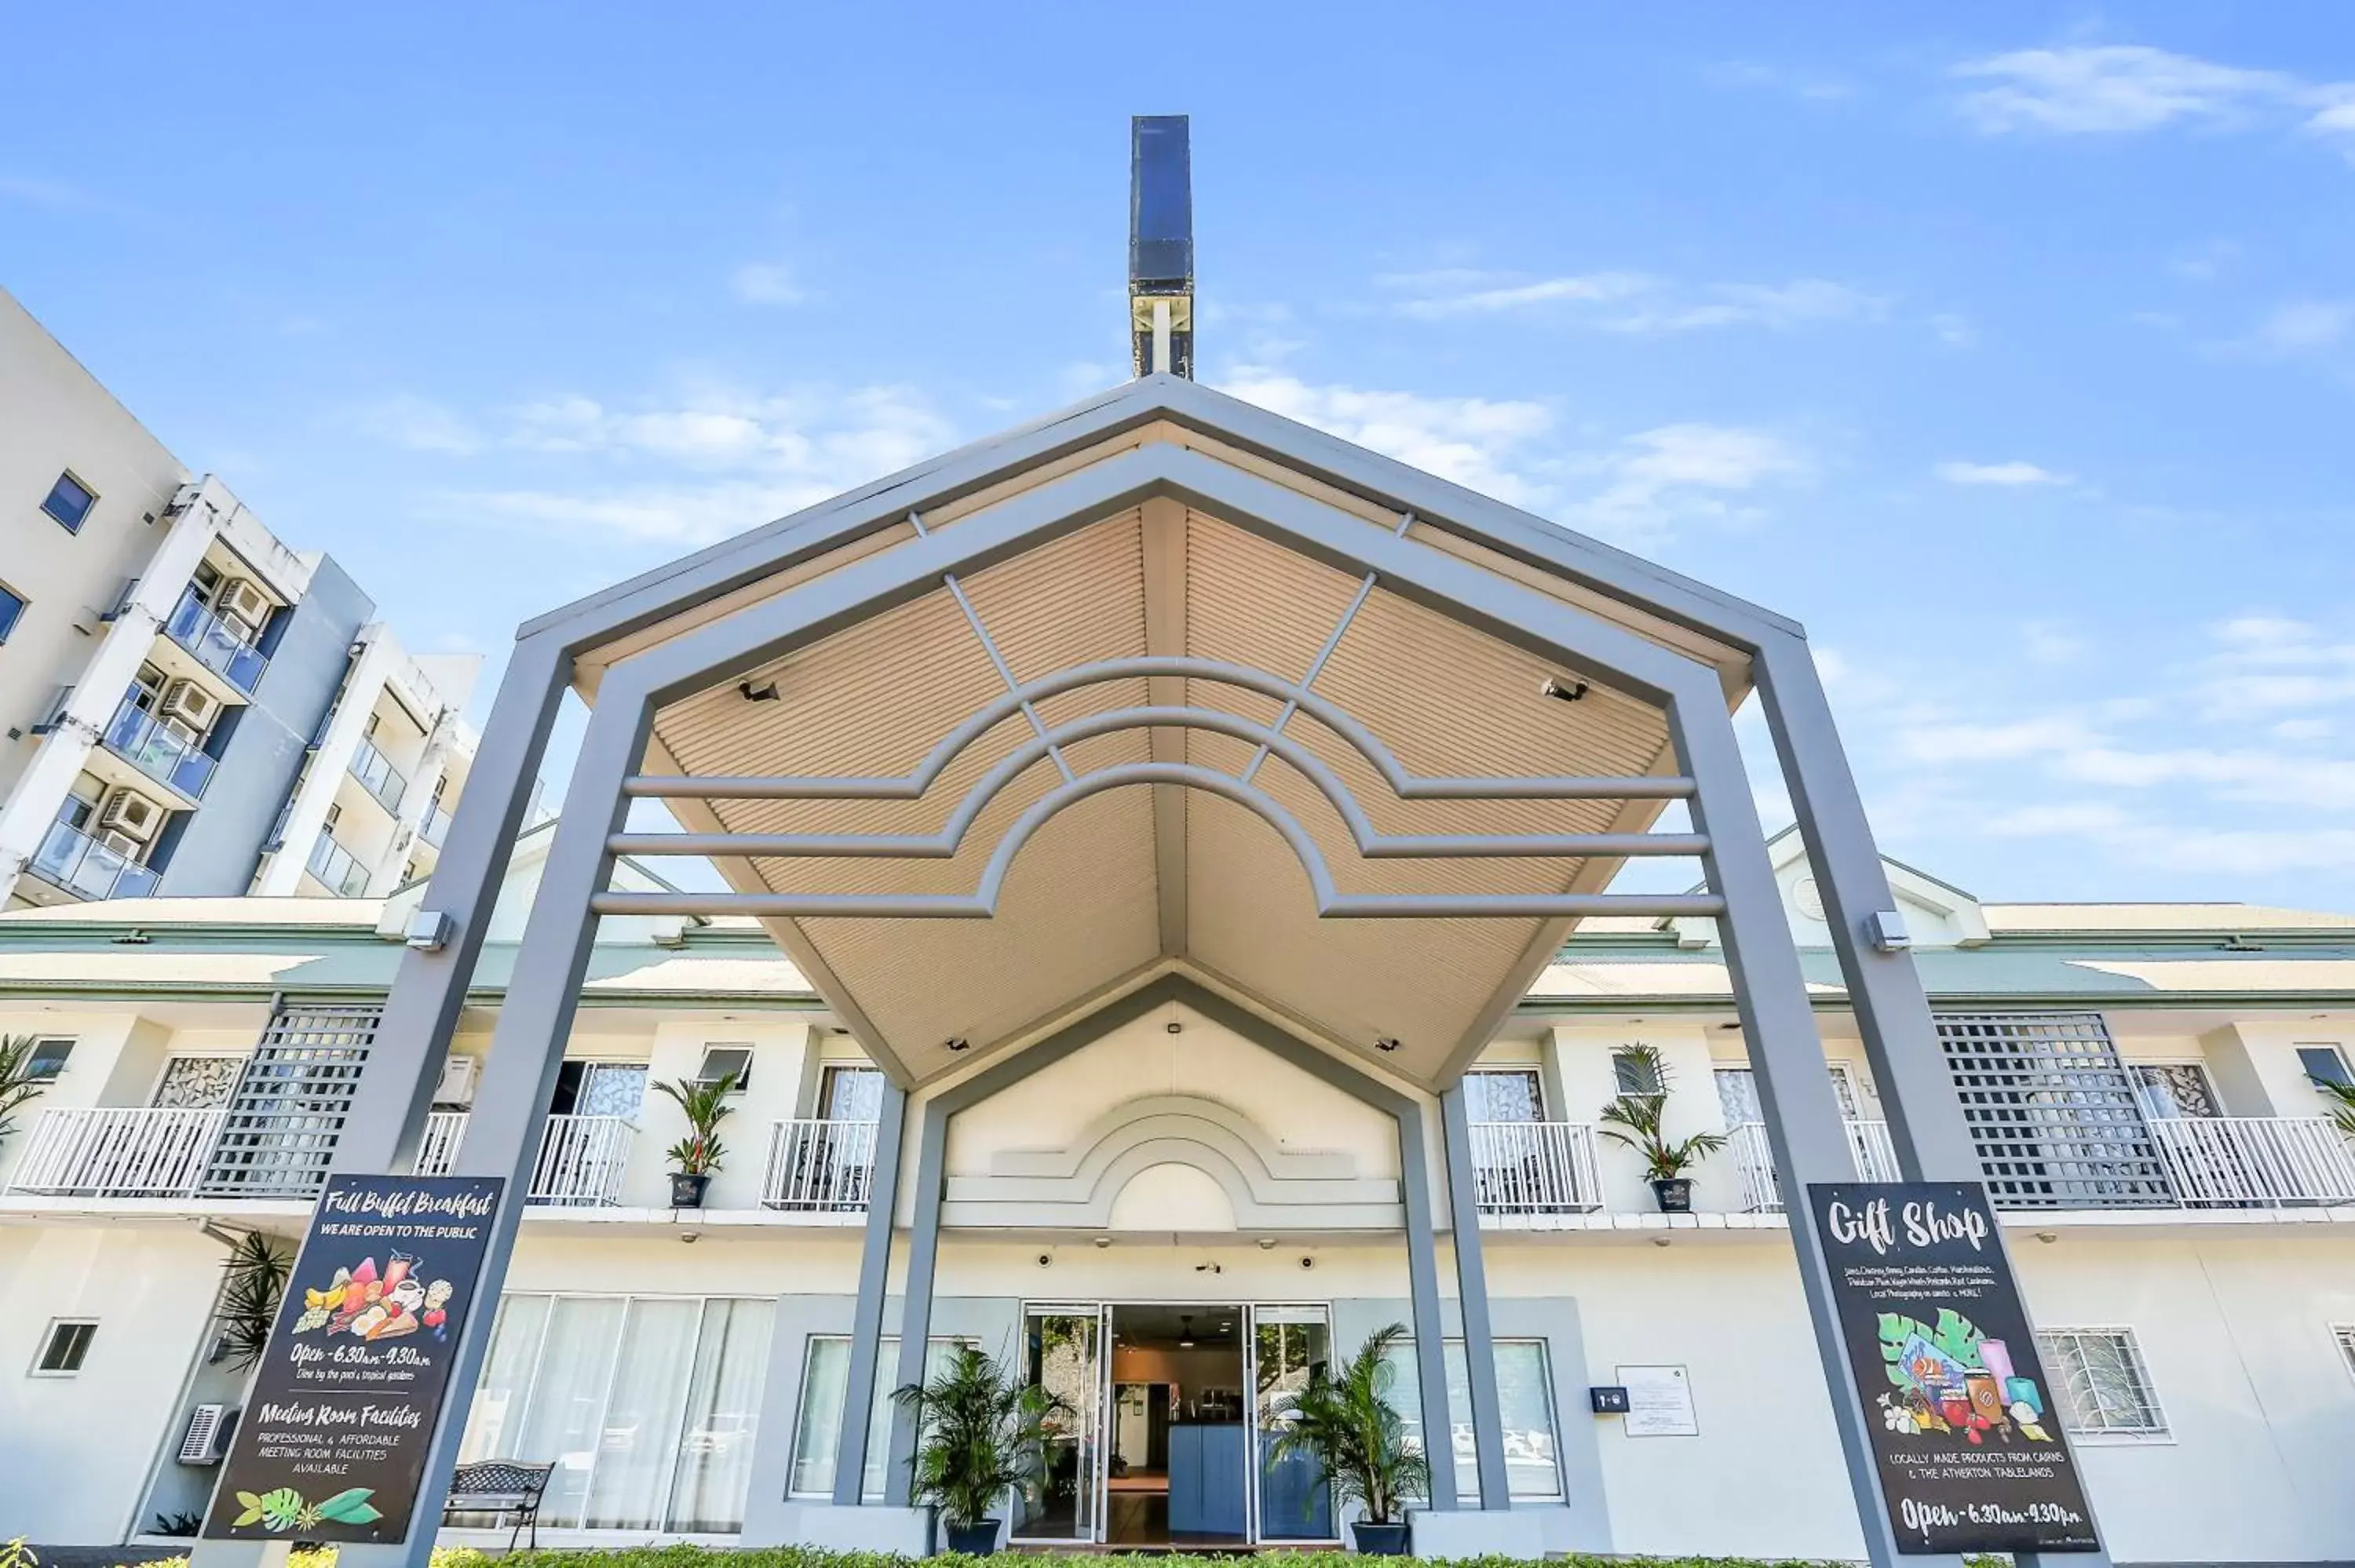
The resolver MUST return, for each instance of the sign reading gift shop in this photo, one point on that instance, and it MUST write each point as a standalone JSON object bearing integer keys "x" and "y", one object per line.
{"x": 1968, "y": 1440}
{"x": 333, "y": 1442}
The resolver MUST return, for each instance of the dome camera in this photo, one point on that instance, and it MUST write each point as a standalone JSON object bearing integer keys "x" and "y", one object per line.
{"x": 1046, "y": 1259}
{"x": 1307, "y": 1262}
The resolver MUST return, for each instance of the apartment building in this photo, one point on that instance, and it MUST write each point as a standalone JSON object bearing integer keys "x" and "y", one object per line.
{"x": 1173, "y": 1206}
{"x": 190, "y": 707}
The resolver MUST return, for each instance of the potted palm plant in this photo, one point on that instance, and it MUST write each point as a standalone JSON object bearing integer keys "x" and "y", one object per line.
{"x": 981, "y": 1432}
{"x": 1345, "y": 1421}
{"x": 1638, "y": 1117}
{"x": 693, "y": 1158}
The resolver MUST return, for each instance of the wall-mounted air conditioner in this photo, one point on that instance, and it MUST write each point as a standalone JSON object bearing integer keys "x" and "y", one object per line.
{"x": 131, "y": 814}
{"x": 206, "y": 1441}
{"x": 242, "y": 600}
{"x": 189, "y": 702}
{"x": 457, "y": 1085}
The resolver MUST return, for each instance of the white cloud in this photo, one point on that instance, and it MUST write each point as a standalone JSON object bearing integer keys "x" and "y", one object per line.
{"x": 1639, "y": 486}
{"x": 2305, "y": 326}
{"x": 2120, "y": 88}
{"x": 2000, "y": 473}
{"x": 421, "y": 425}
{"x": 686, "y": 471}
{"x": 1630, "y": 302}
{"x": 767, "y": 283}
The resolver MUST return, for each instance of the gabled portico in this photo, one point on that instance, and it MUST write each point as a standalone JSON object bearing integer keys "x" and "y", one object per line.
{"x": 1169, "y": 691}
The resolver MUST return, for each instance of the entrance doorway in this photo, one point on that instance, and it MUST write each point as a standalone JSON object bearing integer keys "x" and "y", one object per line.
{"x": 1169, "y": 1416}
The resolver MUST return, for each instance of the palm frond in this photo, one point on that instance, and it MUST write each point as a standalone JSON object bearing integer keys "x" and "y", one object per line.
{"x": 1345, "y": 1421}
{"x": 252, "y": 1281}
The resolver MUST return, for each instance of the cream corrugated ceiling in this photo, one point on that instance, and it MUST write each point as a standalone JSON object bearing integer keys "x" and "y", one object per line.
{"x": 1090, "y": 903}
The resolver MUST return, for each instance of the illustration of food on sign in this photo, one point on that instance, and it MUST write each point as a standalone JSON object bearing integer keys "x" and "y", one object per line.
{"x": 371, "y": 1305}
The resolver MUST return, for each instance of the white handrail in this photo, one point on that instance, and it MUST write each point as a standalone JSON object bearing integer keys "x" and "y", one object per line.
{"x": 581, "y": 1160}
{"x": 437, "y": 1152}
{"x": 118, "y": 1152}
{"x": 1535, "y": 1168}
{"x": 1870, "y": 1151}
{"x": 819, "y": 1167}
{"x": 2241, "y": 1162}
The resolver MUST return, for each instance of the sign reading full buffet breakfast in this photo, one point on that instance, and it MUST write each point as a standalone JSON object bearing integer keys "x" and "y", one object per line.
{"x": 333, "y": 1443}
{"x": 1967, "y": 1442}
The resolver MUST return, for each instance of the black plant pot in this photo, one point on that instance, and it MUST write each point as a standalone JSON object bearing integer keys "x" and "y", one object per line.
{"x": 1380, "y": 1539}
{"x": 1674, "y": 1195}
{"x": 978, "y": 1539}
{"x": 687, "y": 1192}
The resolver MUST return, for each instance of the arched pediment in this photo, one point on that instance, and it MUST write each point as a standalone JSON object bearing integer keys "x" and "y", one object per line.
{"x": 1266, "y": 1185}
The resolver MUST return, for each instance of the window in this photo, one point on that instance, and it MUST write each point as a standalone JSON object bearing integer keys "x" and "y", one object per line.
{"x": 1503, "y": 1095}
{"x": 1524, "y": 1398}
{"x": 2325, "y": 1064}
{"x": 64, "y": 1347}
{"x": 12, "y": 610}
{"x": 850, "y": 1094}
{"x": 729, "y": 1064}
{"x": 2104, "y": 1389}
{"x": 2344, "y": 1333}
{"x": 2175, "y": 1091}
{"x": 817, "y": 1428}
{"x": 1737, "y": 1094}
{"x": 1631, "y": 1074}
{"x": 658, "y": 1439}
{"x": 48, "y": 1058}
{"x": 600, "y": 1088}
{"x": 70, "y": 501}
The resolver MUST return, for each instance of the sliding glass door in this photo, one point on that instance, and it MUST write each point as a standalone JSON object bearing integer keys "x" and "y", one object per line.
{"x": 1287, "y": 1345}
{"x": 1063, "y": 1353}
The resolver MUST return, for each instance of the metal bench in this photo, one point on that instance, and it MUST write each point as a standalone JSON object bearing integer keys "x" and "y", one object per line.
{"x": 502, "y": 1488}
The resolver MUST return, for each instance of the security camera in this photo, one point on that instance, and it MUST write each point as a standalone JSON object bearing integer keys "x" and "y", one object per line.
{"x": 1307, "y": 1262}
{"x": 1045, "y": 1259}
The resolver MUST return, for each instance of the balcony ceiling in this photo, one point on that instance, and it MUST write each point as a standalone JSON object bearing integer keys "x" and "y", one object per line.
{"x": 1135, "y": 881}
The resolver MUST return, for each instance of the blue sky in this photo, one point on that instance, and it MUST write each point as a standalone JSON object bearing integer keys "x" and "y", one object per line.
{"x": 2012, "y": 351}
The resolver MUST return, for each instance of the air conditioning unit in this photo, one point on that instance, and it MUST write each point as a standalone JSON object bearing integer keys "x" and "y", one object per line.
{"x": 122, "y": 844}
{"x": 129, "y": 813}
{"x": 457, "y": 1085}
{"x": 189, "y": 701}
{"x": 242, "y": 600}
{"x": 206, "y": 1441}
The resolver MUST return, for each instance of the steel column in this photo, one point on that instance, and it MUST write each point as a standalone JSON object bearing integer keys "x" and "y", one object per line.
{"x": 389, "y": 1110}
{"x": 1804, "y": 1127}
{"x": 1472, "y": 1300}
{"x": 916, "y": 1295}
{"x": 874, "y": 1284}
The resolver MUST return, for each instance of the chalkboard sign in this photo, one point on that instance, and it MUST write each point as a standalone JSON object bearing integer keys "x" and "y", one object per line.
{"x": 1969, "y": 1442}
{"x": 333, "y": 1443}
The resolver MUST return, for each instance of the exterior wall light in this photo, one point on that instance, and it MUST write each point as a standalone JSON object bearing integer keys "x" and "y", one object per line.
{"x": 429, "y": 930}
{"x": 1887, "y": 933}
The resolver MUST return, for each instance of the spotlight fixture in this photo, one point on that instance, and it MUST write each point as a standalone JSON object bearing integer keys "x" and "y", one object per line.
{"x": 956, "y": 1042}
{"x": 1102, "y": 1242}
{"x": 1267, "y": 1244}
{"x": 1659, "y": 1241}
{"x": 1386, "y": 1043}
{"x": 753, "y": 693}
{"x": 690, "y": 1237}
{"x": 1562, "y": 690}
{"x": 2046, "y": 1237}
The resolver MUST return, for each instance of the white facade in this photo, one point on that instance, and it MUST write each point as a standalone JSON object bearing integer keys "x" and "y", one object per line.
{"x": 164, "y": 659}
{"x": 1187, "y": 1167}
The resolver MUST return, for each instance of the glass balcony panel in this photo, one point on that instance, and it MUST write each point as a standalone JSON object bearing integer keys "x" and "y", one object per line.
{"x": 81, "y": 864}
{"x": 160, "y": 751}
{"x": 337, "y": 867}
{"x": 378, "y": 777}
{"x": 209, "y": 639}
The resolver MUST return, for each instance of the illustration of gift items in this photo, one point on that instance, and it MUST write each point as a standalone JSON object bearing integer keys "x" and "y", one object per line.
{"x": 1950, "y": 1377}
{"x": 371, "y": 1305}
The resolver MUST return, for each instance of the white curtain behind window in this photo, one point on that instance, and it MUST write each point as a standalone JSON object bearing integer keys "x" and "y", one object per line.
{"x": 723, "y": 1415}
{"x": 642, "y": 1416}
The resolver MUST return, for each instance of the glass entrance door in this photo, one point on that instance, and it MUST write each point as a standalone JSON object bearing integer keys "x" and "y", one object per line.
{"x": 1063, "y": 1354}
{"x": 1292, "y": 1500}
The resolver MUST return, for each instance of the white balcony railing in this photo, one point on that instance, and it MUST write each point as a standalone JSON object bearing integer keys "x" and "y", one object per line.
{"x": 581, "y": 1160}
{"x": 437, "y": 1154}
{"x": 1535, "y": 1168}
{"x": 117, "y": 1152}
{"x": 819, "y": 1167}
{"x": 2254, "y": 1162}
{"x": 1868, "y": 1150}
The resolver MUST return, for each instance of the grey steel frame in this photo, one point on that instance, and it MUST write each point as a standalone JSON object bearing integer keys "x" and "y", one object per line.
{"x": 1803, "y": 1128}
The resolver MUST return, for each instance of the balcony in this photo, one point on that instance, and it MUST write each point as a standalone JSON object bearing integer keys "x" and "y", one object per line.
{"x": 1531, "y": 1168}
{"x": 819, "y": 1167}
{"x": 211, "y": 641}
{"x": 2255, "y": 1162}
{"x": 99, "y": 1152}
{"x": 163, "y": 752}
{"x": 378, "y": 777}
{"x": 337, "y": 867}
{"x": 1869, "y": 1149}
{"x": 86, "y": 868}
{"x": 581, "y": 1157}
{"x": 436, "y": 825}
